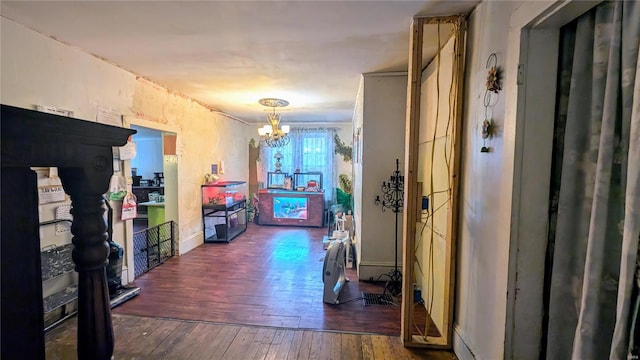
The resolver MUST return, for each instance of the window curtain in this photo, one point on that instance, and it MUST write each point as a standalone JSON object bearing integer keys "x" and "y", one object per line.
{"x": 309, "y": 150}
{"x": 595, "y": 199}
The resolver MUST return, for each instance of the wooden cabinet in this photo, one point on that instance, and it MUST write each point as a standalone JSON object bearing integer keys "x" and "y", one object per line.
{"x": 292, "y": 208}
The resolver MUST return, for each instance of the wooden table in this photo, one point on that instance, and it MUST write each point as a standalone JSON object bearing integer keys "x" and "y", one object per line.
{"x": 82, "y": 151}
{"x": 308, "y": 206}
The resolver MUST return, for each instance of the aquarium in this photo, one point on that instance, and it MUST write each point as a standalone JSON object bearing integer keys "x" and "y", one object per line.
{"x": 289, "y": 207}
{"x": 224, "y": 193}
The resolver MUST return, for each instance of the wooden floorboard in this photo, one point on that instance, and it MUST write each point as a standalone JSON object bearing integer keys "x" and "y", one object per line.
{"x": 268, "y": 276}
{"x": 258, "y": 297}
{"x": 140, "y": 337}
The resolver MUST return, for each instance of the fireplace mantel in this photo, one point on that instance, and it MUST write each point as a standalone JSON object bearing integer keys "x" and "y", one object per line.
{"x": 82, "y": 151}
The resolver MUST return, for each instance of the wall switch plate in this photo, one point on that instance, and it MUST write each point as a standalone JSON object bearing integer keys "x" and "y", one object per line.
{"x": 520, "y": 74}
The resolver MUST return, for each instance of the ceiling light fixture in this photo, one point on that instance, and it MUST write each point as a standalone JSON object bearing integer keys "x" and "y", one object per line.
{"x": 272, "y": 134}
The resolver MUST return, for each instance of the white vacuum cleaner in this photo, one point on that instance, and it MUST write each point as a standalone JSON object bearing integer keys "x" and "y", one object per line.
{"x": 333, "y": 271}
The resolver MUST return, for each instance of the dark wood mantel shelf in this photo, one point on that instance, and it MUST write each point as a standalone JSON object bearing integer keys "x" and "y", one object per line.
{"x": 82, "y": 151}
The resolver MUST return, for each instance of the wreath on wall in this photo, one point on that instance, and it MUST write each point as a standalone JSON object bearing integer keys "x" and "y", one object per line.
{"x": 342, "y": 148}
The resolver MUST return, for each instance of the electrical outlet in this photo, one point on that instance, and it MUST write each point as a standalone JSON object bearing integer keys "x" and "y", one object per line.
{"x": 424, "y": 215}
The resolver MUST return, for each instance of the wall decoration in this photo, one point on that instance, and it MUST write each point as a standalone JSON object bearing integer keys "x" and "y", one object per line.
{"x": 494, "y": 86}
{"x": 343, "y": 149}
{"x": 345, "y": 183}
{"x": 210, "y": 179}
{"x": 494, "y": 77}
{"x": 487, "y": 128}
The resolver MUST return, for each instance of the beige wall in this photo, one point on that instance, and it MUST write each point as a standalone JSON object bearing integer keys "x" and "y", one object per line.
{"x": 380, "y": 115}
{"x": 502, "y": 234}
{"x": 39, "y": 70}
{"x": 481, "y": 281}
{"x": 357, "y": 168}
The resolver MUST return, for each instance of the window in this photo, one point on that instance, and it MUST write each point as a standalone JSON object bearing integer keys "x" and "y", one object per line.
{"x": 309, "y": 150}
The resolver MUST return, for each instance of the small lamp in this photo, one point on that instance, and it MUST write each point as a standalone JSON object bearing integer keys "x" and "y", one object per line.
{"x": 278, "y": 156}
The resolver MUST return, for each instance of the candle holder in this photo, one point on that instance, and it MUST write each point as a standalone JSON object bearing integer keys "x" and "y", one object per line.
{"x": 393, "y": 199}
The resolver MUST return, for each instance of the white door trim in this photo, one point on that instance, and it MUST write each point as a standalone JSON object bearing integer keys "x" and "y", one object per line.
{"x": 530, "y": 109}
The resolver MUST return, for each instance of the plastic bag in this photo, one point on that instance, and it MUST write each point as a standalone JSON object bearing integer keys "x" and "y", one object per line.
{"x": 129, "y": 207}
{"x": 117, "y": 187}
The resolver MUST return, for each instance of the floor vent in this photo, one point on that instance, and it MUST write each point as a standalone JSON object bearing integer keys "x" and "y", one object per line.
{"x": 371, "y": 299}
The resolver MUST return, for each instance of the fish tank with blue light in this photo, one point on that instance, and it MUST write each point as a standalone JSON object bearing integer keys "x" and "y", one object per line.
{"x": 289, "y": 207}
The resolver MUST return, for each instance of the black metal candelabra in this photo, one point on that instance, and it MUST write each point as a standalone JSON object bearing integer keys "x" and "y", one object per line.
{"x": 393, "y": 199}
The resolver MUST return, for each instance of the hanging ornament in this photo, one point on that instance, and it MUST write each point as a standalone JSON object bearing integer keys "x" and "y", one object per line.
{"x": 487, "y": 123}
{"x": 486, "y": 133}
{"x": 493, "y": 87}
{"x": 494, "y": 76}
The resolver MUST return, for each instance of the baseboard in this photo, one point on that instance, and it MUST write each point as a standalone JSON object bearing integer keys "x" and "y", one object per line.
{"x": 191, "y": 243}
{"x": 460, "y": 347}
{"x": 368, "y": 270}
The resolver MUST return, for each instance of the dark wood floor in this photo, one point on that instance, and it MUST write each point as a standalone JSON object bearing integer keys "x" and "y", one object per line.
{"x": 153, "y": 338}
{"x": 258, "y": 297}
{"x": 268, "y": 276}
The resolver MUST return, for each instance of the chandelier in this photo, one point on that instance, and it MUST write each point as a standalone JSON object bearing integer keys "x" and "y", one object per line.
{"x": 272, "y": 134}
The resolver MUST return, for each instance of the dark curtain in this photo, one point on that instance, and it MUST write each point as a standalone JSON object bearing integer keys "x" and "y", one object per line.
{"x": 595, "y": 198}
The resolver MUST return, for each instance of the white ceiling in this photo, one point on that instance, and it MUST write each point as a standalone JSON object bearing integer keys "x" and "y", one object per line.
{"x": 229, "y": 54}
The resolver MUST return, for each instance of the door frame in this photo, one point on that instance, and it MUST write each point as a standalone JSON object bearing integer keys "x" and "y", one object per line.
{"x": 532, "y": 59}
{"x": 128, "y": 121}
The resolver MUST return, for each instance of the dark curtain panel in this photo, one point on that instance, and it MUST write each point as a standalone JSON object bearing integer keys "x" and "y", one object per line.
{"x": 595, "y": 198}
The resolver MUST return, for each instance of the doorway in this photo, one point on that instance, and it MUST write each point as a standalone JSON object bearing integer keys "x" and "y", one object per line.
{"x": 147, "y": 173}
{"x": 154, "y": 182}
{"x": 535, "y": 36}
{"x": 593, "y": 227}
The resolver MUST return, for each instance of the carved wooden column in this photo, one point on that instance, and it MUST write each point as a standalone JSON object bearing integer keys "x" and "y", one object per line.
{"x": 82, "y": 151}
{"x": 86, "y": 187}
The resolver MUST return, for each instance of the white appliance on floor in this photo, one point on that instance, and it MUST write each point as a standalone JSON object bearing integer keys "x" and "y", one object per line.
{"x": 333, "y": 271}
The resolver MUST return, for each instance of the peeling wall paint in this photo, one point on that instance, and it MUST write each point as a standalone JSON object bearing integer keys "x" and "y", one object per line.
{"x": 38, "y": 70}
